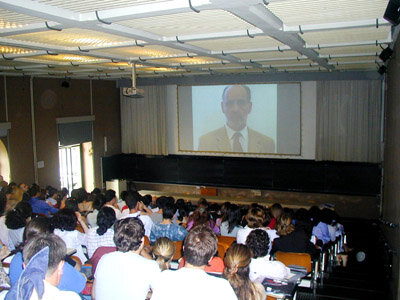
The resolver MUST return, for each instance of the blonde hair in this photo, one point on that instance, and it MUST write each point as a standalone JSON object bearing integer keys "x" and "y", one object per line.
{"x": 237, "y": 260}
{"x": 284, "y": 225}
{"x": 163, "y": 252}
{"x": 15, "y": 198}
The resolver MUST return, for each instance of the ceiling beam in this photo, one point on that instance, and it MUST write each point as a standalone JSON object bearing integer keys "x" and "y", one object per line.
{"x": 264, "y": 19}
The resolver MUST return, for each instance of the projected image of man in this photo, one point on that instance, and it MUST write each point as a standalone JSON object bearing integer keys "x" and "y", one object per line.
{"x": 236, "y": 136}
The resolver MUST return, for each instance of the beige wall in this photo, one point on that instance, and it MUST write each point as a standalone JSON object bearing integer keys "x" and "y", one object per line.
{"x": 391, "y": 193}
{"x": 52, "y": 101}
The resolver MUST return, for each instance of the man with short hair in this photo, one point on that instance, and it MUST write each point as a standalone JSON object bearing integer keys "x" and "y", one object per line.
{"x": 134, "y": 202}
{"x": 125, "y": 274}
{"x": 236, "y": 136}
{"x": 43, "y": 261}
{"x": 191, "y": 281}
{"x": 39, "y": 206}
{"x": 111, "y": 201}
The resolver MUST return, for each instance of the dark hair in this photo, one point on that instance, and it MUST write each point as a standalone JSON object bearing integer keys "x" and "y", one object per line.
{"x": 34, "y": 190}
{"x": 147, "y": 199}
{"x": 99, "y": 201}
{"x": 96, "y": 191}
{"x": 105, "y": 219}
{"x": 110, "y": 194}
{"x": 65, "y": 220}
{"x": 200, "y": 216}
{"x": 3, "y": 202}
{"x": 57, "y": 250}
{"x": 64, "y": 192}
{"x": 38, "y": 225}
{"x": 72, "y": 204}
{"x": 233, "y": 215}
{"x": 160, "y": 202}
{"x": 200, "y": 246}
{"x": 183, "y": 212}
{"x": 169, "y": 211}
{"x": 132, "y": 199}
{"x": 128, "y": 234}
{"x": 258, "y": 242}
{"x": 52, "y": 191}
{"x": 16, "y": 218}
{"x": 79, "y": 194}
{"x": 123, "y": 195}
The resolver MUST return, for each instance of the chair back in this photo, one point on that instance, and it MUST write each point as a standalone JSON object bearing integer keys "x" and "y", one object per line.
{"x": 146, "y": 241}
{"x": 224, "y": 242}
{"x": 178, "y": 250}
{"x": 291, "y": 258}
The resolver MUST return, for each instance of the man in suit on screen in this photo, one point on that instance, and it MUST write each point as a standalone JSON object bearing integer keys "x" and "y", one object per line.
{"x": 235, "y": 135}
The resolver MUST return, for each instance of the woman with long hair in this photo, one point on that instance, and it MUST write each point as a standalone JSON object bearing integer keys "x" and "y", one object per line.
{"x": 237, "y": 267}
{"x": 103, "y": 234}
{"x": 201, "y": 216}
{"x": 231, "y": 220}
{"x": 16, "y": 220}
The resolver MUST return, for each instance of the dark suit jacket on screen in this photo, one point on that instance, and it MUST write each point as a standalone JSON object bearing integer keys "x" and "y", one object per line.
{"x": 218, "y": 140}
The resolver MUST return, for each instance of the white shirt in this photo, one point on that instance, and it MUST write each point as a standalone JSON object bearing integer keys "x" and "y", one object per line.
{"x": 15, "y": 237}
{"x": 193, "y": 284}
{"x": 243, "y": 140}
{"x": 3, "y": 231}
{"x": 94, "y": 240}
{"x": 146, "y": 220}
{"x": 262, "y": 267}
{"x": 53, "y": 293}
{"x": 74, "y": 239}
{"x": 243, "y": 233}
{"x": 124, "y": 275}
{"x": 225, "y": 227}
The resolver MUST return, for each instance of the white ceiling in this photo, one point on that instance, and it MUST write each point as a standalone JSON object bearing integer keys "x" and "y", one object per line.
{"x": 101, "y": 38}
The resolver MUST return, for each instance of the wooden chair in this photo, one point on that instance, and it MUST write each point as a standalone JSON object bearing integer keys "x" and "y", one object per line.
{"x": 178, "y": 250}
{"x": 298, "y": 259}
{"x": 224, "y": 242}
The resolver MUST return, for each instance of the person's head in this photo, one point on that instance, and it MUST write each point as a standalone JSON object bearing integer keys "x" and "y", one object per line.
{"x": 255, "y": 217}
{"x": 80, "y": 195}
{"x": 284, "y": 225}
{"x": 169, "y": 211}
{"x": 38, "y": 225}
{"x": 236, "y": 105}
{"x": 105, "y": 219}
{"x": 163, "y": 252}
{"x": 52, "y": 192}
{"x": 233, "y": 215}
{"x": 132, "y": 199}
{"x": 23, "y": 186}
{"x": 72, "y": 204}
{"x": 34, "y": 190}
{"x": 96, "y": 191}
{"x": 160, "y": 202}
{"x": 200, "y": 246}
{"x": 258, "y": 243}
{"x": 276, "y": 210}
{"x": 57, "y": 253}
{"x": 65, "y": 220}
{"x": 111, "y": 197}
{"x": 19, "y": 216}
{"x": 129, "y": 234}
{"x": 99, "y": 201}
{"x": 147, "y": 199}
{"x": 237, "y": 260}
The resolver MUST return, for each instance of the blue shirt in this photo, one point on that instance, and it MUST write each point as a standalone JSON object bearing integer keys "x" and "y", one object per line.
{"x": 321, "y": 231}
{"x": 71, "y": 279}
{"x": 41, "y": 207}
{"x": 172, "y": 231}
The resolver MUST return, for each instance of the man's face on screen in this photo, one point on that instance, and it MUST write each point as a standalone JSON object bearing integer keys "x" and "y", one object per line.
{"x": 236, "y": 106}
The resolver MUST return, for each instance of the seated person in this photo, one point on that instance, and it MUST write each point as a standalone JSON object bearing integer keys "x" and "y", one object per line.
{"x": 237, "y": 261}
{"x": 71, "y": 279}
{"x": 292, "y": 240}
{"x": 125, "y": 274}
{"x": 166, "y": 228}
{"x": 44, "y": 259}
{"x": 231, "y": 220}
{"x": 192, "y": 282}
{"x": 16, "y": 221}
{"x": 134, "y": 202}
{"x": 65, "y": 222}
{"x": 40, "y": 206}
{"x": 103, "y": 234}
{"x": 163, "y": 252}
{"x": 215, "y": 265}
{"x": 201, "y": 216}
{"x": 261, "y": 267}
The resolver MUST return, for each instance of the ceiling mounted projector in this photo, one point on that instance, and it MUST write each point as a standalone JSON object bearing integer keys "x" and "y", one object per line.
{"x": 133, "y": 91}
